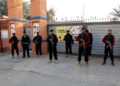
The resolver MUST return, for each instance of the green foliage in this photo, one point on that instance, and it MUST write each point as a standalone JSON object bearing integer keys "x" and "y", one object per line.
{"x": 51, "y": 14}
{"x": 26, "y": 10}
{"x": 3, "y": 8}
{"x": 116, "y": 13}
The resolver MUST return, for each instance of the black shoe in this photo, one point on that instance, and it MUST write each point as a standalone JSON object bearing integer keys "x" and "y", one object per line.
{"x": 28, "y": 56}
{"x": 23, "y": 57}
{"x": 113, "y": 64}
{"x": 103, "y": 63}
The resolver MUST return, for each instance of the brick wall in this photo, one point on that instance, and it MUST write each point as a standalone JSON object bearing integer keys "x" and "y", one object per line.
{"x": 4, "y": 44}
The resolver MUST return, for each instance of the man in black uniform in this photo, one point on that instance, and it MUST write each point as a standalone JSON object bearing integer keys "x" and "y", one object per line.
{"x": 109, "y": 41}
{"x": 38, "y": 41}
{"x": 90, "y": 44}
{"x": 84, "y": 41}
{"x": 52, "y": 43}
{"x": 68, "y": 42}
{"x": 25, "y": 44}
{"x": 14, "y": 45}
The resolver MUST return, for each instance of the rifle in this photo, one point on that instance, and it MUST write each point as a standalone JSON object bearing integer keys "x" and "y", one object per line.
{"x": 52, "y": 38}
{"x": 36, "y": 41}
{"x": 109, "y": 43}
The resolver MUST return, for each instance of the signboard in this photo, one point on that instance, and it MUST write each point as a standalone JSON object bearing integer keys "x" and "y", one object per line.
{"x": 61, "y": 32}
{"x": 12, "y": 29}
{"x": 35, "y": 28}
{"x": 4, "y": 34}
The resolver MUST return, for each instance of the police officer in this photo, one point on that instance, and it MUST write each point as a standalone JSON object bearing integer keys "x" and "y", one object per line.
{"x": 52, "y": 43}
{"x": 91, "y": 41}
{"x": 68, "y": 42}
{"x": 84, "y": 41}
{"x": 38, "y": 41}
{"x": 109, "y": 41}
{"x": 14, "y": 45}
{"x": 25, "y": 44}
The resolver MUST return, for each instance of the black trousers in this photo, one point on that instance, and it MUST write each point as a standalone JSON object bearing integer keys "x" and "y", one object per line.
{"x": 13, "y": 48}
{"x": 110, "y": 52}
{"x": 90, "y": 50}
{"x": 68, "y": 49}
{"x": 84, "y": 52}
{"x": 38, "y": 49}
{"x": 25, "y": 48}
{"x": 53, "y": 51}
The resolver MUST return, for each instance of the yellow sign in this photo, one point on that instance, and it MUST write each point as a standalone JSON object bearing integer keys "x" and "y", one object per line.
{"x": 61, "y": 32}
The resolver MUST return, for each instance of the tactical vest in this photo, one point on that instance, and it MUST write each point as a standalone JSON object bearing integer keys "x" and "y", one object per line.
{"x": 84, "y": 37}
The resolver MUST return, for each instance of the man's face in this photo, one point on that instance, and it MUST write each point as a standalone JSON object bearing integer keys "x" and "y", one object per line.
{"x": 24, "y": 34}
{"x": 109, "y": 32}
{"x": 37, "y": 34}
{"x": 52, "y": 32}
{"x": 13, "y": 34}
{"x": 83, "y": 30}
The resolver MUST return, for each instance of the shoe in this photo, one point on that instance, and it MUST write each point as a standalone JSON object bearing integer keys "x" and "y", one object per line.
{"x": 66, "y": 55}
{"x": 103, "y": 63}
{"x": 113, "y": 64}
{"x": 87, "y": 65}
{"x": 78, "y": 64}
{"x": 28, "y": 56}
{"x": 50, "y": 61}
{"x": 56, "y": 62}
{"x": 23, "y": 57}
{"x": 89, "y": 57}
{"x": 18, "y": 56}
{"x": 12, "y": 57}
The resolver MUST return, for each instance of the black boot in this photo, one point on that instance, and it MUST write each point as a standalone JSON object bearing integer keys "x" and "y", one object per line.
{"x": 104, "y": 63}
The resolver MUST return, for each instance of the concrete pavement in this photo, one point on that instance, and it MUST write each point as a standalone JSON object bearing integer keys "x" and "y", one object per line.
{"x": 37, "y": 72}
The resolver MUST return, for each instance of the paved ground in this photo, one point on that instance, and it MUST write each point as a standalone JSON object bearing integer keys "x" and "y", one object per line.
{"x": 37, "y": 72}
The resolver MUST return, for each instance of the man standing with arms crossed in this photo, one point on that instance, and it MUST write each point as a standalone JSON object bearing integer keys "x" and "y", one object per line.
{"x": 109, "y": 41}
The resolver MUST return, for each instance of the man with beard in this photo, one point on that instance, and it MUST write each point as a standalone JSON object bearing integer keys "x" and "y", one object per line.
{"x": 14, "y": 45}
{"x": 52, "y": 43}
{"x": 109, "y": 41}
{"x": 84, "y": 41}
{"x": 38, "y": 41}
{"x": 25, "y": 44}
{"x": 68, "y": 43}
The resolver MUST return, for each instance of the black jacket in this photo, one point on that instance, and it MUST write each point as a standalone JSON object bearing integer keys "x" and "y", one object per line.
{"x": 68, "y": 39}
{"x": 14, "y": 41}
{"x": 25, "y": 40}
{"x": 37, "y": 40}
{"x": 91, "y": 38}
{"x": 54, "y": 38}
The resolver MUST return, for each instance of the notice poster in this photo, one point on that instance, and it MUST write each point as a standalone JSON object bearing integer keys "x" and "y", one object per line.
{"x": 12, "y": 29}
{"x": 4, "y": 34}
{"x": 35, "y": 28}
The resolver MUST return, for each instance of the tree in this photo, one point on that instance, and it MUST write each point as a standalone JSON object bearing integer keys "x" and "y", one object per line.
{"x": 26, "y": 10}
{"x": 51, "y": 14}
{"x": 116, "y": 13}
{"x": 3, "y": 8}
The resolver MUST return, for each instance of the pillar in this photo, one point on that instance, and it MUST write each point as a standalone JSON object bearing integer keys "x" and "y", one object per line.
{"x": 39, "y": 22}
{"x": 15, "y": 15}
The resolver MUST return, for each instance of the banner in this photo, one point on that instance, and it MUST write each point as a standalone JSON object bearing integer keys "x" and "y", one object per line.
{"x": 62, "y": 31}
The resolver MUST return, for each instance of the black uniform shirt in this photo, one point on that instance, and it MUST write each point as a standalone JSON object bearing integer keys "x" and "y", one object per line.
{"x": 25, "y": 40}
